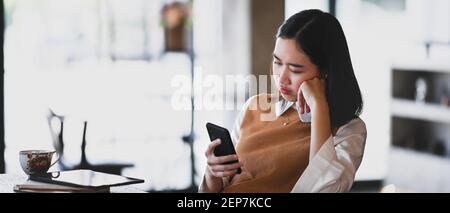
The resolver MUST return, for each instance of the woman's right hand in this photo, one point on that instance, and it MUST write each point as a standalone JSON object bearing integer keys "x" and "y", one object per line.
{"x": 216, "y": 167}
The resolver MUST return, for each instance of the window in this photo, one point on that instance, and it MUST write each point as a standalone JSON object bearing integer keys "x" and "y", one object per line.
{"x": 101, "y": 62}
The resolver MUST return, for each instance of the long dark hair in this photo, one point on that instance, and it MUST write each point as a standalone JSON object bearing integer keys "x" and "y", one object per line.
{"x": 320, "y": 36}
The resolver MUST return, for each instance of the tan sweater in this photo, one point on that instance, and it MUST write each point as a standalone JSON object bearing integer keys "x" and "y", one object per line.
{"x": 274, "y": 154}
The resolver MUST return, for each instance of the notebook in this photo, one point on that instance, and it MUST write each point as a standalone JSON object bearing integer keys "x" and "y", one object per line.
{"x": 31, "y": 186}
{"x": 85, "y": 178}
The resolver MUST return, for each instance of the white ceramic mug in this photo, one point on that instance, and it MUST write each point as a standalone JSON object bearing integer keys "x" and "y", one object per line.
{"x": 36, "y": 161}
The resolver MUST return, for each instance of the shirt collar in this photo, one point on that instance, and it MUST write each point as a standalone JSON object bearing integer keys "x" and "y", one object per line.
{"x": 283, "y": 105}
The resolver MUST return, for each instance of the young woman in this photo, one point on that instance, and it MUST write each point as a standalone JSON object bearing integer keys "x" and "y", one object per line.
{"x": 277, "y": 148}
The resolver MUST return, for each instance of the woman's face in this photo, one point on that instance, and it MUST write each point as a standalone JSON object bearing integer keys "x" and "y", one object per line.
{"x": 291, "y": 67}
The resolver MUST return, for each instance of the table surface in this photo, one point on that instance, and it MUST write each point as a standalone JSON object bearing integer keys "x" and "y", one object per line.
{"x": 7, "y": 182}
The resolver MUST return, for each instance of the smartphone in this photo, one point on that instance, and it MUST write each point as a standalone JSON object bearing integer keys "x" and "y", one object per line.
{"x": 226, "y": 147}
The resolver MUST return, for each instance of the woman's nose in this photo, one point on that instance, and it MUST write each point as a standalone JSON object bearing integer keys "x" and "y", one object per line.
{"x": 284, "y": 77}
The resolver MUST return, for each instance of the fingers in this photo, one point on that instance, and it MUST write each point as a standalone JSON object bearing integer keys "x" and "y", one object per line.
{"x": 300, "y": 100}
{"x": 217, "y": 165}
{"x": 308, "y": 110}
{"x": 226, "y": 167}
{"x": 210, "y": 150}
{"x": 212, "y": 160}
{"x": 224, "y": 170}
{"x": 305, "y": 107}
{"x": 312, "y": 89}
{"x": 224, "y": 173}
{"x": 302, "y": 105}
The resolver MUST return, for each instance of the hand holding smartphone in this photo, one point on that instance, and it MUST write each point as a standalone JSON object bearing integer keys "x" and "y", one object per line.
{"x": 226, "y": 147}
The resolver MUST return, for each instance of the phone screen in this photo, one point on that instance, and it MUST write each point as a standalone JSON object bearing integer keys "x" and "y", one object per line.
{"x": 226, "y": 147}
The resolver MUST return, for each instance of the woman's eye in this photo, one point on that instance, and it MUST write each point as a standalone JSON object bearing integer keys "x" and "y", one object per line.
{"x": 277, "y": 62}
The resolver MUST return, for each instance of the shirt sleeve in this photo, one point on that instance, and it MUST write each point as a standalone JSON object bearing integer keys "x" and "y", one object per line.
{"x": 334, "y": 166}
{"x": 236, "y": 131}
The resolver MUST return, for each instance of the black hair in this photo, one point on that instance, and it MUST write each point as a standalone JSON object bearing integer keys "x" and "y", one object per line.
{"x": 320, "y": 36}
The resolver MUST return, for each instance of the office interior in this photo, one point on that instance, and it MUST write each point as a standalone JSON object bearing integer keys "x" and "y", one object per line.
{"x": 127, "y": 82}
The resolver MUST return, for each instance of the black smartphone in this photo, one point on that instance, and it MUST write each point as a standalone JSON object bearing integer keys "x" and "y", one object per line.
{"x": 226, "y": 147}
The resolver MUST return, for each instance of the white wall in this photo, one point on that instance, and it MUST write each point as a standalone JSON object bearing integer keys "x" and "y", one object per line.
{"x": 295, "y": 6}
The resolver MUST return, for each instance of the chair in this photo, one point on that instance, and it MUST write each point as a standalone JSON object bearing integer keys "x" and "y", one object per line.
{"x": 58, "y": 143}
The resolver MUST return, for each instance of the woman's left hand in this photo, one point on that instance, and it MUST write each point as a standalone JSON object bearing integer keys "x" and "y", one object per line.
{"x": 311, "y": 94}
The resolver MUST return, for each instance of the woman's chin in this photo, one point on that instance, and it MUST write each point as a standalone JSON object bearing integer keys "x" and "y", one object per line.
{"x": 289, "y": 98}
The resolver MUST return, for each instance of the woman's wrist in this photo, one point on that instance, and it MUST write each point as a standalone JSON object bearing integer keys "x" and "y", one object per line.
{"x": 319, "y": 106}
{"x": 213, "y": 183}
{"x": 320, "y": 127}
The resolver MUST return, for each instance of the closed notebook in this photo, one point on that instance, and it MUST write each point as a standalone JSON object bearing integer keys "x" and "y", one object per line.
{"x": 31, "y": 186}
{"x": 85, "y": 178}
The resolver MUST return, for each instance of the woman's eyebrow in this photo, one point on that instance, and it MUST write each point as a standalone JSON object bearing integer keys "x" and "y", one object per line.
{"x": 290, "y": 64}
{"x": 296, "y": 65}
{"x": 276, "y": 57}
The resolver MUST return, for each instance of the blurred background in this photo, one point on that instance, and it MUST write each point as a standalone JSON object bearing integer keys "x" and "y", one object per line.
{"x": 94, "y": 79}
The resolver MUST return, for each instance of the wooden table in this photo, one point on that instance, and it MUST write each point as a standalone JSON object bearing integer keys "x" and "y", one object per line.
{"x": 7, "y": 182}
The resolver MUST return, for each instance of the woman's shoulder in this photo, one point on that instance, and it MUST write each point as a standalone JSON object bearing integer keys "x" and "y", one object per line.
{"x": 259, "y": 100}
{"x": 354, "y": 129}
{"x": 354, "y": 126}
{"x": 262, "y": 96}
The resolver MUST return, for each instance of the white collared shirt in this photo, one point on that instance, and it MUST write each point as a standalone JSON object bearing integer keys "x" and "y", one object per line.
{"x": 333, "y": 167}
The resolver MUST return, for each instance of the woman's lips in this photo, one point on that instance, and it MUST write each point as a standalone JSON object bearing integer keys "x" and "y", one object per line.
{"x": 285, "y": 91}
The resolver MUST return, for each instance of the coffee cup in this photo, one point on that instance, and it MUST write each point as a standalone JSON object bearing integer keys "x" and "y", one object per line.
{"x": 36, "y": 162}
